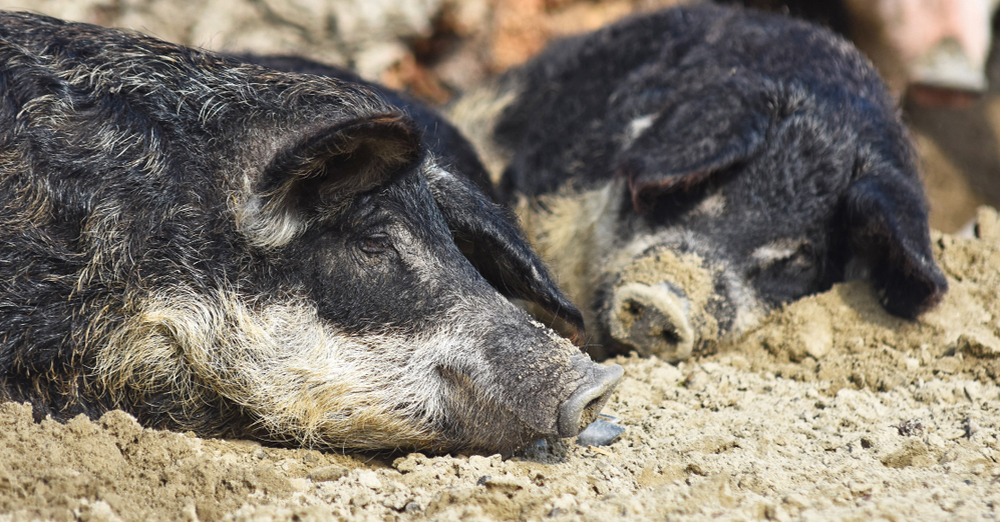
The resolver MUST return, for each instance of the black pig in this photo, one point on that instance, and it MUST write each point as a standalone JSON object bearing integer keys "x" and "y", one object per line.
{"x": 686, "y": 171}
{"x": 218, "y": 247}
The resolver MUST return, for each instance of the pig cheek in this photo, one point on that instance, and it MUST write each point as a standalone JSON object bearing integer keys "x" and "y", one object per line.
{"x": 785, "y": 281}
{"x": 287, "y": 369}
{"x": 475, "y": 422}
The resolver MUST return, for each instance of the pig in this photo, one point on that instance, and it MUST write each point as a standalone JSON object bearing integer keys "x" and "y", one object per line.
{"x": 929, "y": 45}
{"x": 932, "y": 51}
{"x": 687, "y": 171}
{"x": 218, "y": 247}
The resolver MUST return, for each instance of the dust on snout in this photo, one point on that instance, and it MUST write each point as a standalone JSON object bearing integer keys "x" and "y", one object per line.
{"x": 660, "y": 305}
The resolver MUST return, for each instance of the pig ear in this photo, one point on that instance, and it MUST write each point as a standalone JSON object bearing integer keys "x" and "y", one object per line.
{"x": 689, "y": 141}
{"x": 490, "y": 238}
{"x": 345, "y": 159}
{"x": 322, "y": 169}
{"x": 888, "y": 232}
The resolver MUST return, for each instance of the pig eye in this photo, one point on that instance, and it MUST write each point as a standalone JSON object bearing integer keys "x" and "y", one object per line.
{"x": 783, "y": 276}
{"x": 800, "y": 261}
{"x": 375, "y": 244}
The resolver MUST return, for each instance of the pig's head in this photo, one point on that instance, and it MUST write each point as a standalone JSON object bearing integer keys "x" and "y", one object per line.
{"x": 731, "y": 198}
{"x": 940, "y": 48}
{"x": 356, "y": 320}
{"x": 418, "y": 346}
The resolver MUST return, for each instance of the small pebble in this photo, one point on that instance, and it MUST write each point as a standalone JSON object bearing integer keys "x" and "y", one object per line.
{"x": 600, "y": 432}
{"x": 327, "y": 473}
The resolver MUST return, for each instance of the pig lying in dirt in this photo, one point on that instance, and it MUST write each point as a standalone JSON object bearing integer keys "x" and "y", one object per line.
{"x": 218, "y": 247}
{"x": 687, "y": 171}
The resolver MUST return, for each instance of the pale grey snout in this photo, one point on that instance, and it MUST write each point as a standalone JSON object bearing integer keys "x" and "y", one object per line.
{"x": 652, "y": 319}
{"x": 947, "y": 66}
{"x": 585, "y": 404}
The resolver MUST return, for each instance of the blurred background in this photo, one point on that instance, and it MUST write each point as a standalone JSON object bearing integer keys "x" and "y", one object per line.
{"x": 939, "y": 57}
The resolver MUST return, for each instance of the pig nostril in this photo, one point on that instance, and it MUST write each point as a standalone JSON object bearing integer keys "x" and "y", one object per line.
{"x": 586, "y": 402}
{"x": 590, "y": 412}
{"x": 671, "y": 336}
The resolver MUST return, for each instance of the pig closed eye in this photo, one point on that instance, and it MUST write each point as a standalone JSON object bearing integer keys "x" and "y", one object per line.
{"x": 782, "y": 277}
{"x": 800, "y": 262}
{"x": 803, "y": 259}
{"x": 376, "y": 244}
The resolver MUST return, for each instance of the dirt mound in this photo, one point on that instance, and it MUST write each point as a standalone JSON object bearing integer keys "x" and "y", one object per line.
{"x": 830, "y": 410}
{"x": 845, "y": 337}
{"x": 114, "y": 469}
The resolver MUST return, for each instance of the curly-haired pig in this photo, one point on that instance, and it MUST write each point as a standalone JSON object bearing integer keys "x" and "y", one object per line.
{"x": 689, "y": 170}
{"x": 219, "y": 247}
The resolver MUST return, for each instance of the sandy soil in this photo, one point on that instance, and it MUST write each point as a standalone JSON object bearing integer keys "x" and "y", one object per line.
{"x": 831, "y": 410}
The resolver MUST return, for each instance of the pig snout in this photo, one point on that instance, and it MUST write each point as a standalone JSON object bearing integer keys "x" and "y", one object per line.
{"x": 586, "y": 403}
{"x": 932, "y": 46}
{"x": 946, "y": 65}
{"x": 530, "y": 384}
{"x": 652, "y": 319}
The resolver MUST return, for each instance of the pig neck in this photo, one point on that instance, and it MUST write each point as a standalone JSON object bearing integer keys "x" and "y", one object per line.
{"x": 570, "y": 230}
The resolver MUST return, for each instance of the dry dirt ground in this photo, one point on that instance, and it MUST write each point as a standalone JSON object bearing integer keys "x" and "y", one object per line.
{"x": 830, "y": 410}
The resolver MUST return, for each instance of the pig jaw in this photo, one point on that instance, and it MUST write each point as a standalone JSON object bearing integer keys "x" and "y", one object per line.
{"x": 297, "y": 379}
{"x": 294, "y": 378}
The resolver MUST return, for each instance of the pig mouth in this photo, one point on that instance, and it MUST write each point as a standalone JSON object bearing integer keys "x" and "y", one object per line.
{"x": 583, "y": 406}
{"x": 941, "y": 96}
